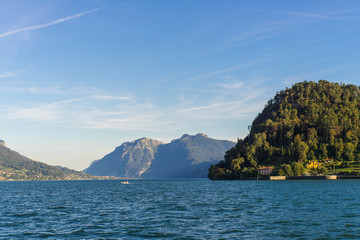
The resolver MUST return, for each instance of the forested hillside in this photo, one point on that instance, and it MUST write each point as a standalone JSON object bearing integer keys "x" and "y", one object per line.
{"x": 14, "y": 166}
{"x": 311, "y": 122}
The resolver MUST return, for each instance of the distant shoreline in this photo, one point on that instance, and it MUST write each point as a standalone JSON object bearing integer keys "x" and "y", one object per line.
{"x": 78, "y": 179}
{"x": 279, "y": 178}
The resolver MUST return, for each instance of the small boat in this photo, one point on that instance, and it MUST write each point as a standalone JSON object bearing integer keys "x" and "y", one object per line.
{"x": 125, "y": 182}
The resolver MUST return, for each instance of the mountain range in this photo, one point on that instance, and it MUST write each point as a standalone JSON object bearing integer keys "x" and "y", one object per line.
{"x": 187, "y": 157}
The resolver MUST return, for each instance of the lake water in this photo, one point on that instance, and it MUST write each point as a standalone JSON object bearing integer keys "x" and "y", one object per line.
{"x": 180, "y": 209}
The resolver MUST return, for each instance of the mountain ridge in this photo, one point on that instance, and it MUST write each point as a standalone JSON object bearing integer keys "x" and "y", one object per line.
{"x": 137, "y": 156}
{"x": 14, "y": 166}
{"x": 190, "y": 153}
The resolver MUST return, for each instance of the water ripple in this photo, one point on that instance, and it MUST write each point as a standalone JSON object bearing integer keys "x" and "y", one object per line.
{"x": 180, "y": 209}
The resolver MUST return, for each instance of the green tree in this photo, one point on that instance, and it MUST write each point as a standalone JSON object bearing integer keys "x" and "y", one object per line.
{"x": 302, "y": 149}
{"x": 281, "y": 172}
{"x": 236, "y": 163}
{"x": 324, "y": 151}
{"x": 311, "y": 155}
{"x": 349, "y": 151}
{"x": 287, "y": 170}
{"x": 322, "y": 170}
{"x": 298, "y": 168}
{"x": 339, "y": 148}
{"x": 253, "y": 163}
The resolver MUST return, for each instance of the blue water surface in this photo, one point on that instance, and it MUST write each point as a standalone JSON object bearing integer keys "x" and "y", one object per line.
{"x": 180, "y": 209}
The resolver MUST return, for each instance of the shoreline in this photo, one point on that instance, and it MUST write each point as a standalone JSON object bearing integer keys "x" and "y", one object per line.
{"x": 283, "y": 178}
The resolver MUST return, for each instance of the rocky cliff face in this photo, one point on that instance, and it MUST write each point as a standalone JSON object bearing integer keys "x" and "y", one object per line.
{"x": 187, "y": 157}
{"x": 190, "y": 156}
{"x": 131, "y": 159}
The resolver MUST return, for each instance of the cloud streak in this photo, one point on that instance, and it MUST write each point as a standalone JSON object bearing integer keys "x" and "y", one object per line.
{"x": 44, "y": 113}
{"x": 7, "y": 74}
{"x": 232, "y": 85}
{"x": 196, "y": 107}
{"x": 308, "y": 15}
{"x": 135, "y": 115}
{"x": 225, "y": 70}
{"x": 327, "y": 16}
{"x": 112, "y": 97}
{"x": 39, "y": 26}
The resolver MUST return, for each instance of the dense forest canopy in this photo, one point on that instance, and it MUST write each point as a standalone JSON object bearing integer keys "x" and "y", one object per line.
{"x": 311, "y": 121}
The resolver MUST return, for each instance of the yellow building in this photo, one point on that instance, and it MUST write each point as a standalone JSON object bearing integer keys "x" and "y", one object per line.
{"x": 313, "y": 164}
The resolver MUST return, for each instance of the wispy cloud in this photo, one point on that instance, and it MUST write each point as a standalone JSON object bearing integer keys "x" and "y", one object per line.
{"x": 129, "y": 116}
{"x": 34, "y": 27}
{"x": 134, "y": 113}
{"x": 43, "y": 113}
{"x": 245, "y": 38}
{"x": 226, "y": 70}
{"x": 49, "y": 88}
{"x": 228, "y": 105}
{"x": 7, "y": 74}
{"x": 289, "y": 80}
{"x": 232, "y": 85}
{"x": 313, "y": 75}
{"x": 349, "y": 17}
{"x": 308, "y": 15}
{"x": 17, "y": 87}
{"x": 338, "y": 15}
{"x": 251, "y": 34}
{"x": 251, "y": 37}
{"x": 145, "y": 122}
{"x": 112, "y": 97}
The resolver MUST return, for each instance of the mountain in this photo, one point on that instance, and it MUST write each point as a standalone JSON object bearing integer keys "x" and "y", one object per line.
{"x": 14, "y": 166}
{"x": 312, "y": 127}
{"x": 189, "y": 156}
{"x": 131, "y": 159}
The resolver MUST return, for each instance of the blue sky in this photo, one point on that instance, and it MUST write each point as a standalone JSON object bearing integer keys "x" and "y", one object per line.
{"x": 78, "y": 78}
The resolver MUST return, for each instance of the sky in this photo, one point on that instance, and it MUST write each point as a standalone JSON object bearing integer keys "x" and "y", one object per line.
{"x": 78, "y": 78}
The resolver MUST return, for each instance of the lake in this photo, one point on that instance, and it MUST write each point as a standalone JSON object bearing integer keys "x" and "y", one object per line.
{"x": 180, "y": 209}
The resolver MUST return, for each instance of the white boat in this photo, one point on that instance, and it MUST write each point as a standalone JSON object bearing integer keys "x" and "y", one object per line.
{"x": 125, "y": 182}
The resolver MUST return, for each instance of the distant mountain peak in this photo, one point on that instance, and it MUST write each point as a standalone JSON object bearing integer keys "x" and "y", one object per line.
{"x": 143, "y": 140}
{"x": 185, "y": 135}
{"x": 197, "y": 135}
{"x": 130, "y": 159}
{"x": 201, "y": 135}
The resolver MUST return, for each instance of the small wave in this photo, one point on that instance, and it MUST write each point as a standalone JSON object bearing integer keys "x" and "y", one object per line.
{"x": 24, "y": 215}
{"x": 80, "y": 232}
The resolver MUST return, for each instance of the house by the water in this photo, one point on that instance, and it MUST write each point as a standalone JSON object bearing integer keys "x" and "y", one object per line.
{"x": 265, "y": 170}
